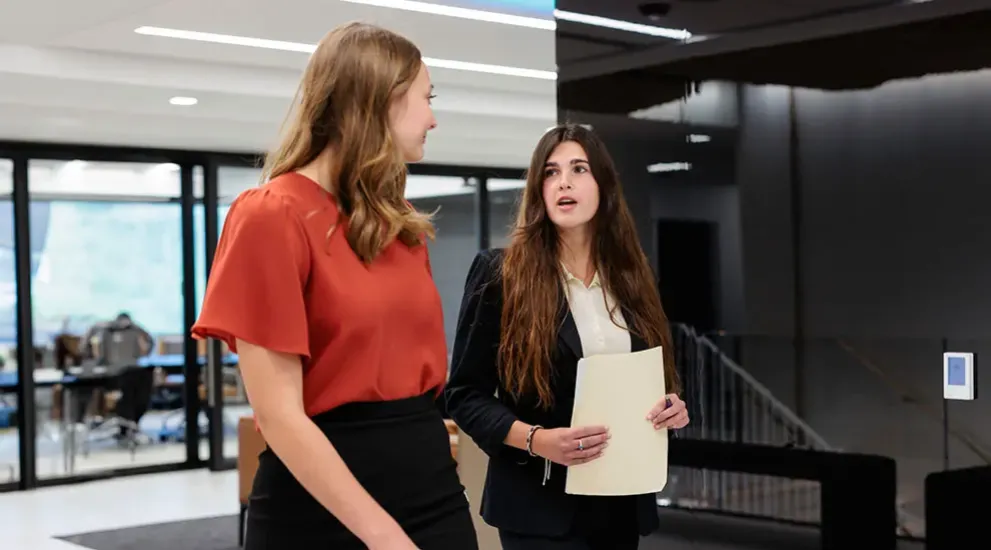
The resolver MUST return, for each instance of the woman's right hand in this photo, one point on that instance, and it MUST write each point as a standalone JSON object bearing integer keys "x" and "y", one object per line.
{"x": 571, "y": 446}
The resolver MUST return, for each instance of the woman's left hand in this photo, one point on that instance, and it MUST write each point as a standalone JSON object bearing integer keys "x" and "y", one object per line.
{"x": 670, "y": 413}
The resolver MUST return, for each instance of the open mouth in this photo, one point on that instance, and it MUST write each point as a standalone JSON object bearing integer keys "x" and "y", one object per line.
{"x": 566, "y": 202}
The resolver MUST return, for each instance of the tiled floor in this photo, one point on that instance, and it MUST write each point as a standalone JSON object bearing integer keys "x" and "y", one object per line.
{"x": 29, "y": 520}
{"x": 105, "y": 454}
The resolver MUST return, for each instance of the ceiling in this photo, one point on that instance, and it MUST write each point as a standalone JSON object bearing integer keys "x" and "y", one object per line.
{"x": 76, "y": 72}
{"x": 86, "y": 76}
{"x": 827, "y": 44}
{"x": 708, "y": 17}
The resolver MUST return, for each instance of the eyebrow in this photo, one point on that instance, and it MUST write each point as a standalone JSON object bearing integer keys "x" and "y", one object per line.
{"x": 572, "y": 162}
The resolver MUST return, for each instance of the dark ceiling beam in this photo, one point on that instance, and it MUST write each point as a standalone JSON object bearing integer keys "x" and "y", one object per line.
{"x": 826, "y": 27}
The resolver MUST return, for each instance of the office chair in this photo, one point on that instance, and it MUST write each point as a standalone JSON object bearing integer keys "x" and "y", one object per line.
{"x": 124, "y": 425}
{"x": 123, "y": 346}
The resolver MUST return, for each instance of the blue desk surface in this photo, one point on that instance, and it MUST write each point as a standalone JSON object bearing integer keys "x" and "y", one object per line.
{"x": 175, "y": 360}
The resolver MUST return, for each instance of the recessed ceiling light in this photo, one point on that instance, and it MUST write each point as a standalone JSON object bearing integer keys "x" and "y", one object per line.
{"x": 183, "y": 101}
{"x": 520, "y": 21}
{"x": 309, "y": 48}
{"x": 662, "y": 167}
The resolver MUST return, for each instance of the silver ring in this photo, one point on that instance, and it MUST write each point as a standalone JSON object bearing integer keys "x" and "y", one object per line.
{"x": 581, "y": 447}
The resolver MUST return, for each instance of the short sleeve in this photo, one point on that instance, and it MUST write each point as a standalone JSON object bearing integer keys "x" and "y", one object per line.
{"x": 255, "y": 291}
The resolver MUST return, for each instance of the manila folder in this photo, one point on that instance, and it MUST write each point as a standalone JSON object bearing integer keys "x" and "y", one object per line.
{"x": 617, "y": 391}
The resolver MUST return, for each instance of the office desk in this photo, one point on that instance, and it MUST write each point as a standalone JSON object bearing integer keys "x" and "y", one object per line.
{"x": 46, "y": 378}
{"x": 91, "y": 377}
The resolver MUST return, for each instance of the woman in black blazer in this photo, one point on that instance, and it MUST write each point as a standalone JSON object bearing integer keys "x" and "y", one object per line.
{"x": 573, "y": 282}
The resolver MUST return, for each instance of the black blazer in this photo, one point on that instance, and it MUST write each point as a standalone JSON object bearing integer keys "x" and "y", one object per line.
{"x": 514, "y": 497}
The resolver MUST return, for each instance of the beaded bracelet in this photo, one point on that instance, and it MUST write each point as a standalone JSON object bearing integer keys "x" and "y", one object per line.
{"x": 529, "y": 439}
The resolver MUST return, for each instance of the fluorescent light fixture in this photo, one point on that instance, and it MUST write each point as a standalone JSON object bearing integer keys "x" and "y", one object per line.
{"x": 698, "y": 138}
{"x": 661, "y": 167}
{"x": 226, "y": 39}
{"x": 310, "y": 48}
{"x": 165, "y": 168}
{"x": 530, "y": 22}
{"x": 497, "y": 185}
{"x": 461, "y": 13}
{"x": 596, "y": 21}
{"x": 490, "y": 69}
{"x": 426, "y": 187}
{"x": 183, "y": 101}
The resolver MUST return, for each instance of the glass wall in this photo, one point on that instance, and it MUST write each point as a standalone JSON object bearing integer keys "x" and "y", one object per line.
{"x": 452, "y": 199}
{"x": 504, "y": 196}
{"x": 9, "y": 446}
{"x": 106, "y": 281}
{"x": 112, "y": 247}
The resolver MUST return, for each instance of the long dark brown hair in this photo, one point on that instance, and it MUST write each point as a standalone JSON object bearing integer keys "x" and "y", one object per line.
{"x": 531, "y": 273}
{"x": 343, "y": 101}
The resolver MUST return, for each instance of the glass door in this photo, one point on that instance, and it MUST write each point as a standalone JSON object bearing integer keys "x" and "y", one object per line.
{"x": 107, "y": 353}
{"x": 10, "y": 387}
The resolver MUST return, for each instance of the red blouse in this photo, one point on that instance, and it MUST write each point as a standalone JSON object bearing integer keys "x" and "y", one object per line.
{"x": 364, "y": 333}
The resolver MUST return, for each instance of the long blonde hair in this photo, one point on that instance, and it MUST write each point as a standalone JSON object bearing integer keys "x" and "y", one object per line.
{"x": 343, "y": 102}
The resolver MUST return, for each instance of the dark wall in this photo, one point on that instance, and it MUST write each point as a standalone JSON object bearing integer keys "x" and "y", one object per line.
{"x": 899, "y": 175}
{"x": 452, "y": 251}
{"x": 720, "y": 205}
{"x": 893, "y": 258}
{"x": 894, "y": 222}
{"x": 704, "y": 194}
{"x": 456, "y": 244}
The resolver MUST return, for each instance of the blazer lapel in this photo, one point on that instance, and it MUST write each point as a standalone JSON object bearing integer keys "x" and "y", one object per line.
{"x": 569, "y": 333}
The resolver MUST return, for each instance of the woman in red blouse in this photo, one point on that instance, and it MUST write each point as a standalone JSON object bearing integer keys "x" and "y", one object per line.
{"x": 322, "y": 285}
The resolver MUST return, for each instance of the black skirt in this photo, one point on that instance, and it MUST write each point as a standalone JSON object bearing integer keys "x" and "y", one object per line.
{"x": 400, "y": 453}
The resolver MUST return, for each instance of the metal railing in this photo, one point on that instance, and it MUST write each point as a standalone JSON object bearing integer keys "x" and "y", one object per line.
{"x": 727, "y": 404}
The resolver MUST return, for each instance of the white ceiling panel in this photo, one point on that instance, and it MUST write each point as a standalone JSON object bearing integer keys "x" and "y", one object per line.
{"x": 45, "y": 21}
{"x": 85, "y": 76}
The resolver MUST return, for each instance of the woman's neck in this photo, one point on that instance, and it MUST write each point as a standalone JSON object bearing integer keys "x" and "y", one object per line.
{"x": 576, "y": 253}
{"x": 321, "y": 170}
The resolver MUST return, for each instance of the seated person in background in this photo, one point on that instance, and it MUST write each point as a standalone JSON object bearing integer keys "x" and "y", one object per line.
{"x": 118, "y": 342}
{"x": 122, "y": 343}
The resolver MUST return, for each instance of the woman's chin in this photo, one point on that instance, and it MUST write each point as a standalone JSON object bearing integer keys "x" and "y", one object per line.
{"x": 413, "y": 155}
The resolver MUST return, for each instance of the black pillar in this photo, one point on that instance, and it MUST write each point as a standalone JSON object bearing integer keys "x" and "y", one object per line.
{"x": 191, "y": 365}
{"x": 215, "y": 366}
{"x": 482, "y": 212}
{"x": 26, "y": 418}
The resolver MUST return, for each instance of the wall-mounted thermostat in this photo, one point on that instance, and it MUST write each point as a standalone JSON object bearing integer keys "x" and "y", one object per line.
{"x": 959, "y": 380}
